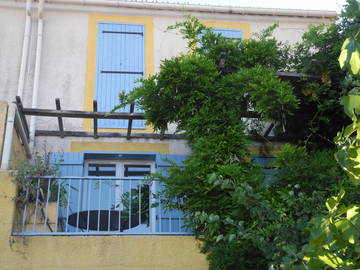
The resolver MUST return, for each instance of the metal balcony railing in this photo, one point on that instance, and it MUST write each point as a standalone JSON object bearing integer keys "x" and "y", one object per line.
{"x": 93, "y": 205}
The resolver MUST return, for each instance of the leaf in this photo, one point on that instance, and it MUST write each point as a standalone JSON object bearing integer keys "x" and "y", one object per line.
{"x": 349, "y": 56}
{"x": 355, "y": 62}
{"x": 213, "y": 218}
{"x": 331, "y": 259}
{"x": 353, "y": 211}
{"x": 331, "y": 203}
{"x": 351, "y": 103}
{"x": 314, "y": 263}
{"x": 344, "y": 58}
{"x": 219, "y": 238}
{"x": 348, "y": 231}
{"x": 231, "y": 237}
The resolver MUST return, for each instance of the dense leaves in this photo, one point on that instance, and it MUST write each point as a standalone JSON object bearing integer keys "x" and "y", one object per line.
{"x": 241, "y": 222}
{"x": 317, "y": 54}
{"x": 203, "y": 96}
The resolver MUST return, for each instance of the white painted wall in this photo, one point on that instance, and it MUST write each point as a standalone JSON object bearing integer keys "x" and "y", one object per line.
{"x": 11, "y": 36}
{"x": 64, "y": 54}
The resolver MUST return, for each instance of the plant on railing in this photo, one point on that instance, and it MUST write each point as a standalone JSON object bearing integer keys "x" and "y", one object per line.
{"x": 28, "y": 184}
{"x": 136, "y": 203}
{"x": 37, "y": 187}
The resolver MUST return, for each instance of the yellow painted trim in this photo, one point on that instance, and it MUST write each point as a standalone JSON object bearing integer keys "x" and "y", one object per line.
{"x": 94, "y": 19}
{"x": 162, "y": 148}
{"x": 264, "y": 148}
{"x": 245, "y": 27}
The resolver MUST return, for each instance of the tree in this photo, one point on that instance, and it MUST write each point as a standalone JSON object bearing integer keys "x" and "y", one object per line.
{"x": 335, "y": 237}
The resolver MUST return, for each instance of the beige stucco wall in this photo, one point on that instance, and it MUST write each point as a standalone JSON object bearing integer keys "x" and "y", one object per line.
{"x": 3, "y": 115}
{"x": 91, "y": 252}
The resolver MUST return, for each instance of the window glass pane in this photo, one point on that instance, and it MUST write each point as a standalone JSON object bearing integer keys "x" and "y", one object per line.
{"x": 101, "y": 169}
{"x": 136, "y": 170}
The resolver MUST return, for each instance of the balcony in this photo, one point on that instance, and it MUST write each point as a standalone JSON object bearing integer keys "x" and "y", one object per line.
{"x": 94, "y": 206}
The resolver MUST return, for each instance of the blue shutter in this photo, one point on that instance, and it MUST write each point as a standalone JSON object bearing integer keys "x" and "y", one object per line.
{"x": 168, "y": 221}
{"x": 229, "y": 33}
{"x": 119, "y": 63}
{"x": 70, "y": 164}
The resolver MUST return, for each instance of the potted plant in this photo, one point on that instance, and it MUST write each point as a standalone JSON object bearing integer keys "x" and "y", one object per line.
{"x": 36, "y": 195}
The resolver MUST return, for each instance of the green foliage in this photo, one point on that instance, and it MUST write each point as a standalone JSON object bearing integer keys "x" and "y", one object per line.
{"x": 26, "y": 181}
{"x": 317, "y": 54}
{"x": 203, "y": 96}
{"x": 335, "y": 237}
{"x": 348, "y": 139}
{"x": 296, "y": 166}
{"x": 241, "y": 223}
{"x": 303, "y": 180}
{"x": 136, "y": 203}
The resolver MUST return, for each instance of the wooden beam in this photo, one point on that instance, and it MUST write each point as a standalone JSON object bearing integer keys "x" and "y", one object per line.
{"x": 108, "y": 134}
{"x": 268, "y": 130}
{"x": 294, "y": 75}
{"x": 83, "y": 114}
{"x": 128, "y": 135}
{"x": 95, "y": 120}
{"x": 60, "y": 122}
{"x": 20, "y": 109}
{"x": 52, "y": 133}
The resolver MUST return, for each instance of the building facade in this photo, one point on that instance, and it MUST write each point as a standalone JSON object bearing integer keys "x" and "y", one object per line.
{"x": 78, "y": 51}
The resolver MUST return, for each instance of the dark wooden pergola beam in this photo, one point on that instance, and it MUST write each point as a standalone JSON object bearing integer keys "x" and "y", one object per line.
{"x": 60, "y": 122}
{"x": 20, "y": 109}
{"x": 109, "y": 134}
{"x": 49, "y": 133}
{"x": 95, "y": 120}
{"x": 83, "y": 114}
{"x": 128, "y": 135}
{"x": 95, "y": 115}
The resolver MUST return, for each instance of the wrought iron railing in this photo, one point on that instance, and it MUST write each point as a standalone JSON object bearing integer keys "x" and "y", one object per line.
{"x": 94, "y": 205}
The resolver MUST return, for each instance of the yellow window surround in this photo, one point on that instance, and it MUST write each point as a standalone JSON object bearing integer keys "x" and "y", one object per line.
{"x": 94, "y": 19}
{"x": 244, "y": 27}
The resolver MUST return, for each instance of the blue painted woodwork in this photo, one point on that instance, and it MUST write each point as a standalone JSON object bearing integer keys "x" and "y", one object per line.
{"x": 229, "y": 33}
{"x": 168, "y": 221}
{"x": 234, "y": 34}
{"x": 70, "y": 164}
{"x": 119, "y": 63}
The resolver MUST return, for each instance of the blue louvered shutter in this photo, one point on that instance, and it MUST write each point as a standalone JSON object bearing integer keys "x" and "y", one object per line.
{"x": 229, "y": 33}
{"x": 70, "y": 165}
{"x": 168, "y": 221}
{"x": 119, "y": 63}
{"x": 234, "y": 34}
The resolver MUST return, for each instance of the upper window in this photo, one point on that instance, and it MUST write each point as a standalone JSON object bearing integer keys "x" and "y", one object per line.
{"x": 119, "y": 64}
{"x": 229, "y": 33}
